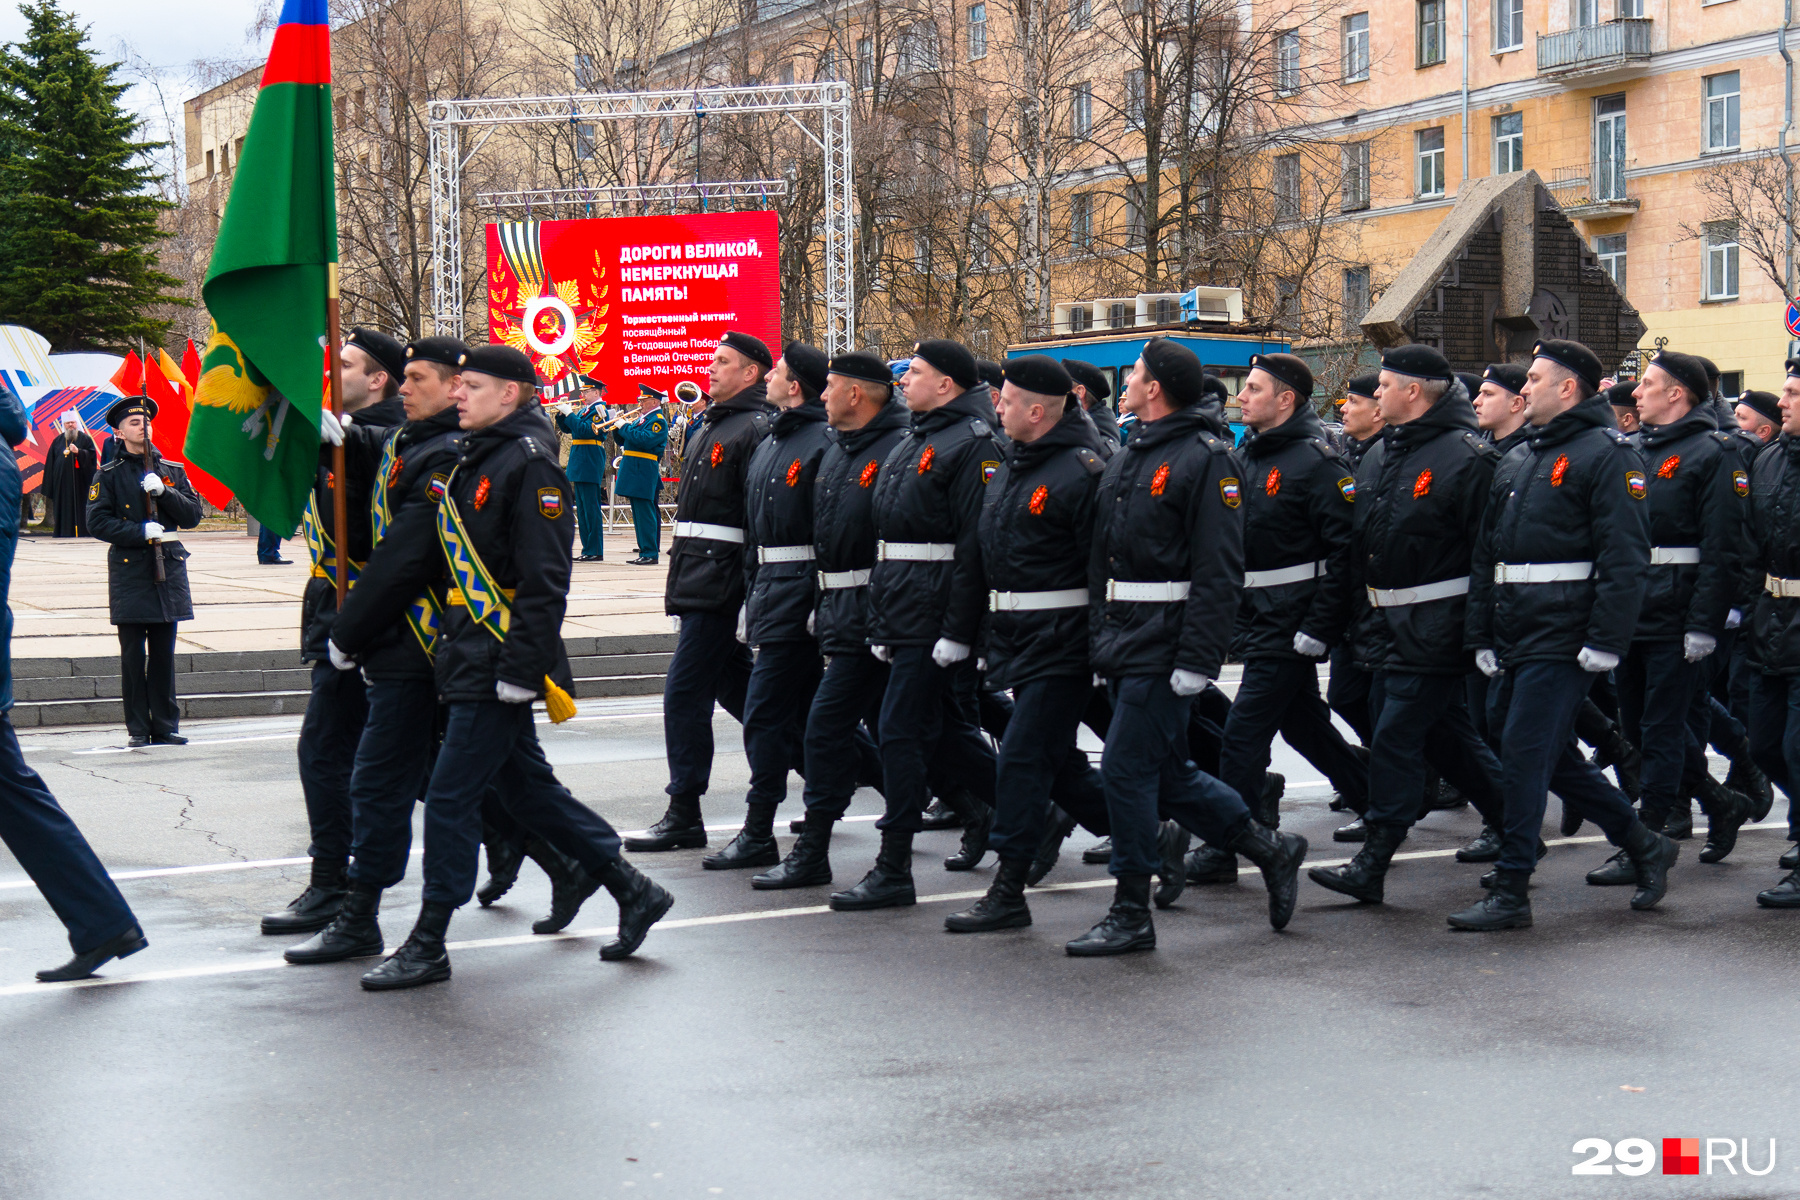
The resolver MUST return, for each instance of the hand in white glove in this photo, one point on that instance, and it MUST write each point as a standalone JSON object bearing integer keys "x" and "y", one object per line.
{"x": 1188, "y": 683}
{"x": 1734, "y": 618}
{"x": 675, "y": 623}
{"x": 810, "y": 622}
{"x": 981, "y": 664}
{"x": 1696, "y": 646}
{"x": 153, "y": 532}
{"x": 1311, "y": 647}
{"x": 1099, "y": 681}
{"x": 1487, "y": 662}
{"x": 339, "y": 659}
{"x": 882, "y": 653}
{"x": 332, "y": 426}
{"x": 616, "y": 461}
{"x": 743, "y": 626}
{"x": 1596, "y": 661}
{"x": 948, "y": 653}
{"x": 153, "y": 484}
{"x": 512, "y": 693}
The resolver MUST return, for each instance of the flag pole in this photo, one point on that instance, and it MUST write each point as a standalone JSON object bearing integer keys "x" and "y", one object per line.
{"x": 340, "y": 498}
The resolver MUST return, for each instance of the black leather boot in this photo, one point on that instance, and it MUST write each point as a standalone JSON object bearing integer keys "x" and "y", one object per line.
{"x": 504, "y": 858}
{"x": 1355, "y": 831}
{"x": 754, "y": 846}
{"x": 679, "y": 829}
{"x": 313, "y": 909}
{"x": 1570, "y": 825}
{"x": 1209, "y": 864}
{"x": 1485, "y": 847}
{"x": 939, "y": 815}
{"x": 1050, "y": 849}
{"x": 1652, "y": 854}
{"x": 1278, "y": 856}
{"x": 642, "y": 904}
{"x": 1098, "y": 854}
{"x": 1748, "y": 778}
{"x": 1785, "y": 894}
{"x": 1267, "y": 809}
{"x": 1678, "y": 822}
{"x": 889, "y": 884}
{"x": 1616, "y": 871}
{"x": 1612, "y": 750}
{"x": 1506, "y": 906}
{"x": 354, "y": 933}
{"x": 1362, "y": 877}
{"x": 1173, "y": 842}
{"x": 1726, "y": 812}
{"x": 978, "y": 822}
{"x": 1004, "y": 905}
{"x": 808, "y": 863}
{"x": 421, "y": 958}
{"x": 1790, "y": 858}
{"x": 570, "y": 886}
{"x": 1127, "y": 926}
{"x": 1490, "y": 878}
{"x": 83, "y": 965}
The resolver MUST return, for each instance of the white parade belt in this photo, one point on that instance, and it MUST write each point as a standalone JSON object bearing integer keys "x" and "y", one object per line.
{"x": 1569, "y": 572}
{"x": 832, "y": 580}
{"x": 1035, "y": 601}
{"x": 1781, "y": 589}
{"x": 1147, "y": 593}
{"x": 1666, "y": 556}
{"x": 1281, "y": 575}
{"x": 915, "y": 551}
{"x": 1443, "y": 589}
{"x": 784, "y": 554}
{"x": 714, "y": 533}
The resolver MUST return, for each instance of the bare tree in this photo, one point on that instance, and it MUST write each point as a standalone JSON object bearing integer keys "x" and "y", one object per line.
{"x": 1754, "y": 196}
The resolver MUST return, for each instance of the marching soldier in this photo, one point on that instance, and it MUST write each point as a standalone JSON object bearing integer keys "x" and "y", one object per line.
{"x": 1347, "y": 691}
{"x": 370, "y": 365}
{"x": 1774, "y": 625}
{"x": 587, "y": 465}
{"x": 136, "y": 501}
{"x": 1558, "y": 577}
{"x": 639, "y": 475}
{"x": 705, "y": 588}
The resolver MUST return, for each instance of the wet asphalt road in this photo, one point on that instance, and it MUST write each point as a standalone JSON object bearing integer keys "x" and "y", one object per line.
{"x": 761, "y": 1047}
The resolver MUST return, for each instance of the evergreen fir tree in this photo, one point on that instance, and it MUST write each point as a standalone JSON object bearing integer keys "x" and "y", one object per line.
{"x": 78, "y": 210}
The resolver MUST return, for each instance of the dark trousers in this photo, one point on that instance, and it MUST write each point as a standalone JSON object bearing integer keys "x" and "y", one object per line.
{"x": 330, "y": 735}
{"x": 1281, "y": 695}
{"x": 1206, "y": 729}
{"x": 393, "y": 769}
{"x": 849, "y": 694}
{"x": 1347, "y": 692}
{"x": 1037, "y": 755}
{"x": 54, "y": 854}
{"x": 924, "y": 723}
{"x": 1148, "y": 777}
{"x": 1476, "y": 685}
{"x": 491, "y": 743}
{"x": 589, "y": 509}
{"x": 1423, "y": 720}
{"x": 1657, "y": 686}
{"x": 268, "y": 545}
{"x": 1775, "y": 736}
{"x": 648, "y": 522}
{"x": 709, "y": 666}
{"x": 1534, "y": 710}
{"x": 776, "y": 703}
{"x": 147, "y": 671}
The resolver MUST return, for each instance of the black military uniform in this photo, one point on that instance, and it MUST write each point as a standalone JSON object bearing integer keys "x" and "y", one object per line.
{"x": 704, "y": 592}
{"x": 145, "y": 609}
{"x": 1773, "y": 627}
{"x": 1347, "y": 691}
{"x": 1105, "y": 420}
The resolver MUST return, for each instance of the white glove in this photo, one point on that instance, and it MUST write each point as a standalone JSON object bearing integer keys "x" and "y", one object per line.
{"x": 153, "y": 484}
{"x": 332, "y": 426}
{"x": 512, "y": 693}
{"x": 339, "y": 659}
{"x": 882, "y": 653}
{"x": 743, "y": 629}
{"x": 1099, "y": 682}
{"x": 1487, "y": 662}
{"x": 1596, "y": 661}
{"x": 948, "y": 653}
{"x": 1696, "y": 646}
{"x": 675, "y": 623}
{"x": 1734, "y": 618}
{"x": 617, "y": 461}
{"x": 809, "y": 623}
{"x": 1311, "y": 647}
{"x": 981, "y": 664}
{"x": 1188, "y": 683}
{"x": 153, "y": 532}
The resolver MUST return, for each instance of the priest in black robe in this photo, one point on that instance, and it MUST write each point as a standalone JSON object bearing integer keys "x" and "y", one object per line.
{"x": 68, "y": 474}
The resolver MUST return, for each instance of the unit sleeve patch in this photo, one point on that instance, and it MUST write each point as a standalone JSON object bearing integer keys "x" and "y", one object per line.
{"x": 1635, "y": 485}
{"x": 1347, "y": 485}
{"x": 1740, "y": 481}
{"x": 1230, "y": 491}
{"x": 550, "y": 502}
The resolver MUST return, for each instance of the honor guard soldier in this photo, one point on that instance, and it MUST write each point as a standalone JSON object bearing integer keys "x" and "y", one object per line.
{"x": 1622, "y": 397}
{"x": 1420, "y": 494}
{"x": 1092, "y": 392}
{"x": 780, "y": 590}
{"x": 370, "y": 364}
{"x": 1774, "y": 625}
{"x": 587, "y": 465}
{"x": 1347, "y": 690}
{"x": 1759, "y": 415}
{"x": 1558, "y": 577}
{"x": 638, "y": 478}
{"x": 1163, "y": 583}
{"x": 136, "y": 502}
{"x": 925, "y": 600}
{"x": 705, "y": 589}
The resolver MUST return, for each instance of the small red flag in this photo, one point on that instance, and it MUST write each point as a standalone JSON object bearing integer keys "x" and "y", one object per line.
{"x": 128, "y": 380}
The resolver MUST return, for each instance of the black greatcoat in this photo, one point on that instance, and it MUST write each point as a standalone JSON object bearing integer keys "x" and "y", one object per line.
{"x": 1774, "y": 622}
{"x": 706, "y": 574}
{"x": 844, "y": 524}
{"x": 779, "y": 512}
{"x": 1697, "y": 491}
{"x": 116, "y": 514}
{"x": 318, "y": 603}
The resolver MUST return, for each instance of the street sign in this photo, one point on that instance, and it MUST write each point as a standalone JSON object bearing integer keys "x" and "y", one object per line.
{"x": 1793, "y": 318}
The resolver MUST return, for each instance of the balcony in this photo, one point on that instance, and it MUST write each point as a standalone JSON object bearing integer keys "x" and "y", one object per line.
{"x": 1594, "y": 192}
{"x": 1610, "y": 50}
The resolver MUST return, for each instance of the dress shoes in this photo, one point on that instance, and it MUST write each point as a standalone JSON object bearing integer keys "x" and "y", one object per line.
{"x": 83, "y": 965}
{"x": 168, "y": 739}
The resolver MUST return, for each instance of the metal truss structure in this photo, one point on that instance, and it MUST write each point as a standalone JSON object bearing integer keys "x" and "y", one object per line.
{"x": 761, "y": 190}
{"x": 451, "y": 121}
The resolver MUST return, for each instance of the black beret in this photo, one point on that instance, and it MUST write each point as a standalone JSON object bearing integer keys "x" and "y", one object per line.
{"x": 1623, "y": 394}
{"x": 1088, "y": 376}
{"x": 1040, "y": 374}
{"x": 1572, "y": 356}
{"x": 588, "y": 381}
{"x": 952, "y": 358}
{"x": 1711, "y": 368}
{"x": 1687, "y": 370}
{"x": 1469, "y": 380}
{"x": 808, "y": 364}
{"x": 1288, "y": 369}
{"x": 1510, "y": 376}
{"x": 1213, "y": 388}
{"x": 751, "y": 348}
{"x": 130, "y": 406}
{"x": 387, "y": 352}
{"x": 1363, "y": 385}
{"x": 1421, "y": 362}
{"x": 1766, "y": 404}
{"x": 991, "y": 372}
{"x": 445, "y": 351}
{"x": 1177, "y": 368}
{"x": 502, "y": 362}
{"x": 863, "y": 366}
{"x": 1793, "y": 367}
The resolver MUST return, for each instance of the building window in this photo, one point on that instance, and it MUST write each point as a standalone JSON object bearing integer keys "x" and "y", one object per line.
{"x": 980, "y": 242}
{"x": 1356, "y": 297}
{"x": 1431, "y": 32}
{"x": 1287, "y": 187}
{"x": 1722, "y": 111}
{"x": 1630, "y": 8}
{"x": 978, "y": 134}
{"x": 1081, "y": 109}
{"x": 1509, "y": 25}
{"x": 1610, "y": 149}
{"x": 1081, "y": 221}
{"x": 1135, "y": 230}
{"x": 919, "y": 49}
{"x": 1610, "y": 250}
{"x": 1587, "y": 13}
{"x": 865, "y": 62}
{"x": 977, "y": 31}
{"x": 585, "y": 75}
{"x": 1356, "y": 47}
{"x": 1509, "y": 143}
{"x": 1287, "y": 61}
{"x": 209, "y": 164}
{"x": 1081, "y": 13}
{"x": 921, "y": 255}
{"x": 1430, "y": 152}
{"x": 1134, "y": 98}
{"x": 1721, "y": 260}
{"x": 1356, "y": 176}
{"x": 584, "y": 141}
{"x": 1731, "y": 384}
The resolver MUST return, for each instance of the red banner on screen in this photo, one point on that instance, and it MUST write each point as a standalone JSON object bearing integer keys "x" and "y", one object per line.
{"x": 631, "y": 300}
